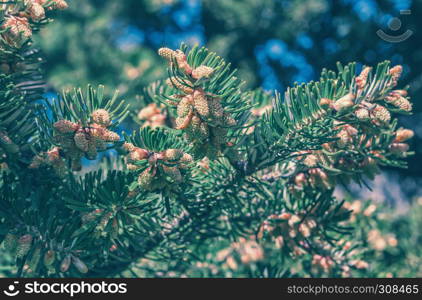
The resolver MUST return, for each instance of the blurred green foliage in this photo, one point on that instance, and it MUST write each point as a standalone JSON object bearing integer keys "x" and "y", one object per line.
{"x": 273, "y": 44}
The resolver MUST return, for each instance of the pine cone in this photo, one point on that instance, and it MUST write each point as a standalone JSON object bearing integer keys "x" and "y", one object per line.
{"x": 101, "y": 117}
{"x": 24, "y": 245}
{"x": 167, "y": 53}
{"x": 200, "y": 103}
{"x": 65, "y": 126}
{"x": 202, "y": 72}
{"x": 81, "y": 141}
{"x": 36, "y": 11}
{"x": 173, "y": 154}
{"x": 18, "y": 31}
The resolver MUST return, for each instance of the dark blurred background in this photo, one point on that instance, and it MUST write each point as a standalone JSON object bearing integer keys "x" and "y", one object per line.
{"x": 273, "y": 43}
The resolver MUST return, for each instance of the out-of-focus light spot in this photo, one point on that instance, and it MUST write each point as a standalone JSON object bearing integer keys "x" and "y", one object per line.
{"x": 193, "y": 4}
{"x": 277, "y": 51}
{"x": 275, "y": 48}
{"x": 182, "y": 18}
{"x": 131, "y": 37}
{"x": 402, "y": 4}
{"x": 383, "y": 19}
{"x": 343, "y": 30}
{"x": 364, "y": 9}
{"x": 330, "y": 46}
{"x": 188, "y": 29}
{"x": 304, "y": 41}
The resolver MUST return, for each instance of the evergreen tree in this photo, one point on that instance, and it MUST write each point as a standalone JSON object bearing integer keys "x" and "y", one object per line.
{"x": 219, "y": 181}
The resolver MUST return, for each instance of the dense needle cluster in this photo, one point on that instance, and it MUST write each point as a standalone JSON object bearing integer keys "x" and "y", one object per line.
{"x": 75, "y": 141}
{"x": 158, "y": 170}
{"x": 199, "y": 114}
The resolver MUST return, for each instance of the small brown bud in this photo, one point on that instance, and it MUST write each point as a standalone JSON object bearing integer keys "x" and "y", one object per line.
{"x": 228, "y": 120}
{"x": 173, "y": 154}
{"x": 293, "y": 220}
{"x": 138, "y": 154}
{"x": 101, "y": 117}
{"x": 65, "y": 126}
{"x": 65, "y": 264}
{"x": 147, "y": 112}
{"x": 81, "y": 140}
{"x": 182, "y": 62}
{"x": 304, "y": 230}
{"x": 300, "y": 179}
{"x": 184, "y": 107}
{"x": 156, "y": 120}
{"x": 36, "y": 11}
{"x": 285, "y": 216}
{"x": 53, "y": 155}
{"x": 403, "y": 135}
{"x": 202, "y": 72}
{"x": 167, "y": 53}
{"x": 403, "y": 104}
{"x": 396, "y": 72}
{"x": 145, "y": 179}
{"x": 79, "y": 265}
{"x": 128, "y": 147}
{"x": 310, "y": 160}
{"x": 200, "y": 103}
{"x": 369, "y": 210}
{"x": 185, "y": 160}
{"x": 325, "y": 102}
{"x": 363, "y": 77}
{"x": 380, "y": 113}
{"x": 362, "y": 114}
{"x": 60, "y": 4}
{"x": 184, "y": 122}
{"x": 109, "y": 136}
{"x": 344, "y": 102}
{"x": 18, "y": 30}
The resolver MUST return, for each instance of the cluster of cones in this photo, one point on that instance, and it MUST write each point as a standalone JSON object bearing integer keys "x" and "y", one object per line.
{"x": 357, "y": 129}
{"x": 288, "y": 231}
{"x": 19, "y": 15}
{"x": 20, "y": 246}
{"x": 199, "y": 114}
{"x": 76, "y": 141}
{"x": 159, "y": 169}
{"x": 293, "y": 232}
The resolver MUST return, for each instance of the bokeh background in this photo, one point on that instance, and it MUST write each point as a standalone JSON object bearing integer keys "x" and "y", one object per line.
{"x": 273, "y": 43}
